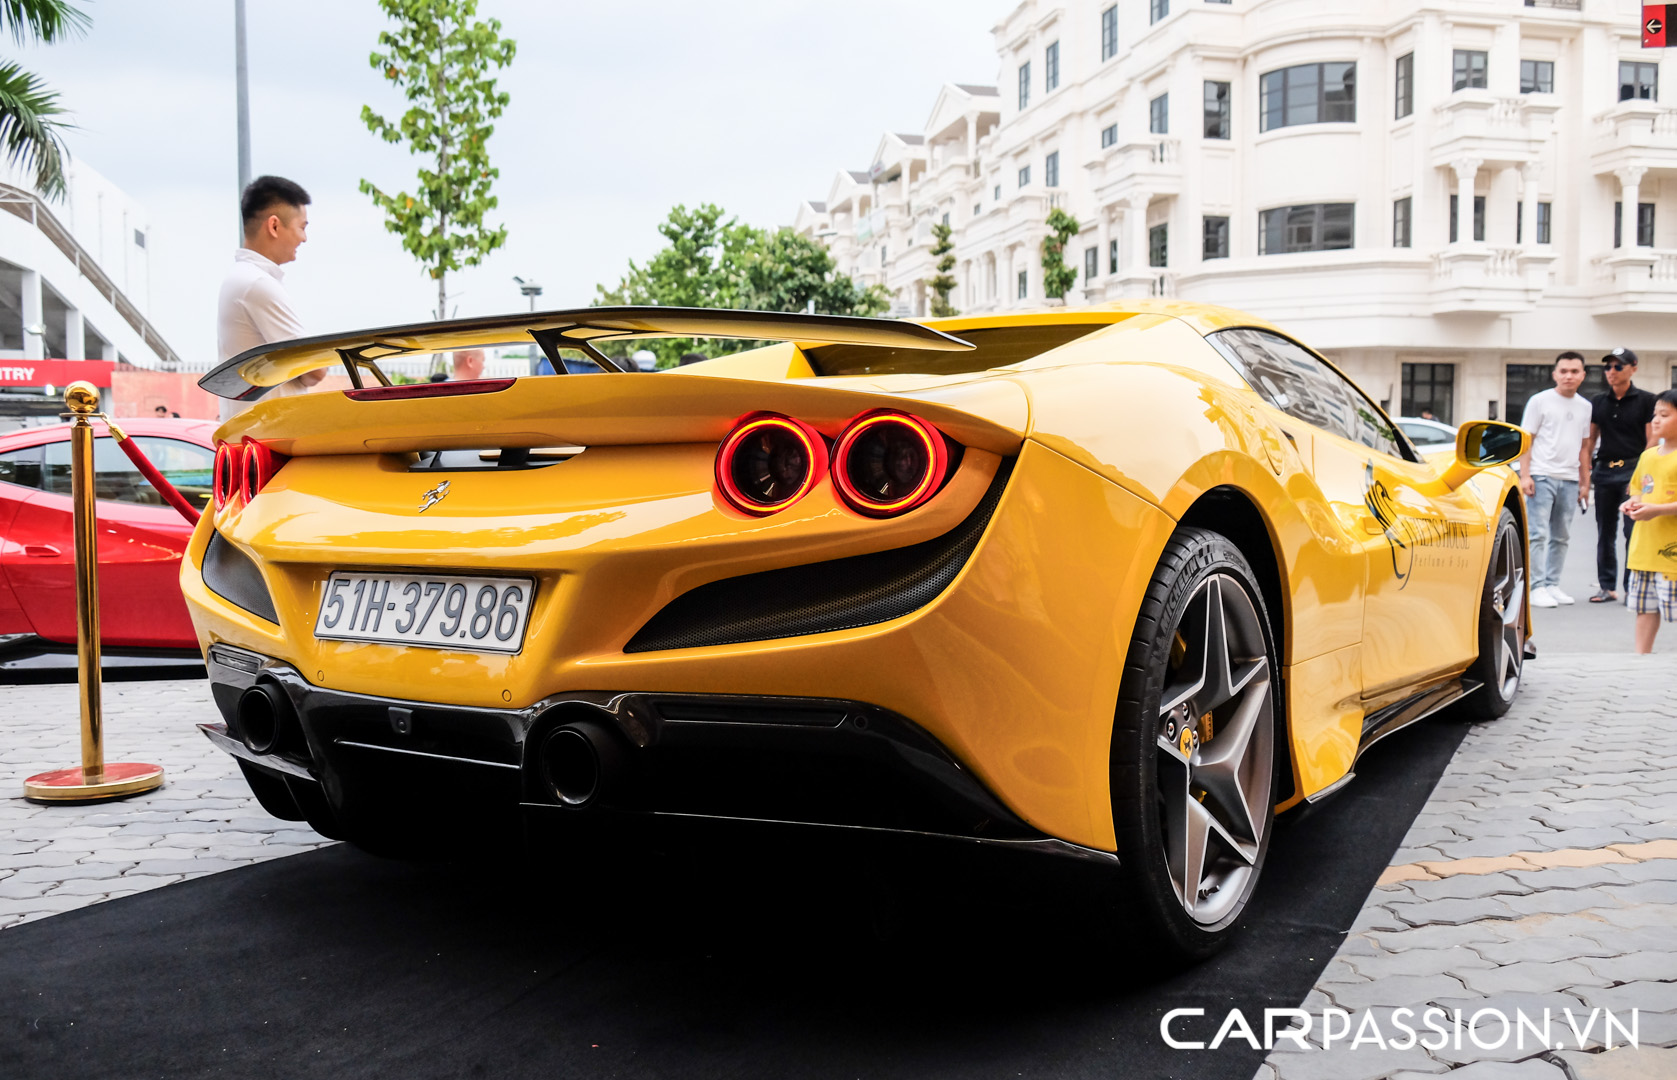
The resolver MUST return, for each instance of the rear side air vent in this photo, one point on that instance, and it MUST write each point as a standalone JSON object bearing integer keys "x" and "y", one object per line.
{"x": 840, "y": 594}
{"x": 231, "y": 575}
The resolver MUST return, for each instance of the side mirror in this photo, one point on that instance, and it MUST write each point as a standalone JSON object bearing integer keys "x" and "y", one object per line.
{"x": 1481, "y": 444}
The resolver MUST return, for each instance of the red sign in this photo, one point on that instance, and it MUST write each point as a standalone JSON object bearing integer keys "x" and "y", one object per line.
{"x": 55, "y": 372}
{"x": 1656, "y": 19}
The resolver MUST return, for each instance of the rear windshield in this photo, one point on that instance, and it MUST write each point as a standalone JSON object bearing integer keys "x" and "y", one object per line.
{"x": 996, "y": 347}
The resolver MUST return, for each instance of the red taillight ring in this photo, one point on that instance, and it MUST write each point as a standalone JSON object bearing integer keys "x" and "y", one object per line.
{"x": 937, "y": 463}
{"x": 228, "y": 481}
{"x": 815, "y": 450}
{"x": 257, "y": 468}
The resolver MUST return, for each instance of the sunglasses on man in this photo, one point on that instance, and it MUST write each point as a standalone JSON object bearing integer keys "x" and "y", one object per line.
{"x": 1617, "y": 365}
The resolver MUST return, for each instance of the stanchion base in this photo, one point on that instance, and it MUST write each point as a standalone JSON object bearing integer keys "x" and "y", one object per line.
{"x": 69, "y": 785}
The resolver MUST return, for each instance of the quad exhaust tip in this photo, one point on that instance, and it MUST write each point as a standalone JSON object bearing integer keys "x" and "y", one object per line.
{"x": 582, "y": 762}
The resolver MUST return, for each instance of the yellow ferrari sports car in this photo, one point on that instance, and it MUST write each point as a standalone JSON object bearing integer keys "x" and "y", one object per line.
{"x": 1114, "y": 584}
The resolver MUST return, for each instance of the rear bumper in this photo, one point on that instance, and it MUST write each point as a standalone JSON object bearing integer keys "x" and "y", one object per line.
{"x": 694, "y": 761}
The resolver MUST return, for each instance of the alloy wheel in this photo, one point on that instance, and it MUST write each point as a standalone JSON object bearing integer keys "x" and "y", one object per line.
{"x": 1508, "y": 602}
{"x": 1214, "y": 750}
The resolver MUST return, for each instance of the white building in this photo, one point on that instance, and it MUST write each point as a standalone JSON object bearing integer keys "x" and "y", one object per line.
{"x": 1304, "y": 159}
{"x": 75, "y": 274}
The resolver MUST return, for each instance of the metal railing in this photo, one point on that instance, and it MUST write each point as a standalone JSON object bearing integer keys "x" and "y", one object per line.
{"x": 29, "y": 206}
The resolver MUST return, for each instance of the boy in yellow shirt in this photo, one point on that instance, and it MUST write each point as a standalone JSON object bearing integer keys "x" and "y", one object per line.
{"x": 1653, "y": 540}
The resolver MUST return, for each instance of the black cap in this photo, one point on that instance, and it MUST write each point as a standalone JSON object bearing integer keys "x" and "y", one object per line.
{"x": 1621, "y": 353}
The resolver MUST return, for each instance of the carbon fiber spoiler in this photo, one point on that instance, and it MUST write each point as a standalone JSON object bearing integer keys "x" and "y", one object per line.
{"x": 251, "y": 374}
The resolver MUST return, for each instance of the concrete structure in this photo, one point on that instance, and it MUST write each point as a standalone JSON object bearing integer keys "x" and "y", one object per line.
{"x": 1300, "y": 159}
{"x": 75, "y": 275}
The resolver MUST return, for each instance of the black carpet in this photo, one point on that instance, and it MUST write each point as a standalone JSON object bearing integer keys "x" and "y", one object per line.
{"x": 336, "y": 964}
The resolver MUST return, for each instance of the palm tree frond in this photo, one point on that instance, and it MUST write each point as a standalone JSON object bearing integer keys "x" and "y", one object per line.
{"x": 46, "y": 20}
{"x": 30, "y": 133}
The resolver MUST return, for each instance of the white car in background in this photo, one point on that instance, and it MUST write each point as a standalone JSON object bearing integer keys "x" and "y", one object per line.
{"x": 1428, "y": 436}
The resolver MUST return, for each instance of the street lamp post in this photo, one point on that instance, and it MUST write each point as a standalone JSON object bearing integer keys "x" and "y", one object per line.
{"x": 529, "y": 289}
{"x": 241, "y": 75}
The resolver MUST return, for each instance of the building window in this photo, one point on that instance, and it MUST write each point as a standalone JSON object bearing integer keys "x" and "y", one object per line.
{"x": 1404, "y": 88}
{"x": 1216, "y": 110}
{"x": 1157, "y": 9}
{"x": 1216, "y": 238}
{"x": 1112, "y": 256}
{"x": 1638, "y": 80}
{"x": 139, "y": 239}
{"x": 1537, "y": 76}
{"x": 1468, "y": 70}
{"x": 998, "y": 197}
{"x": 1024, "y": 175}
{"x": 1051, "y": 169}
{"x": 1544, "y": 214}
{"x": 1313, "y": 227}
{"x": 946, "y": 218}
{"x": 882, "y": 250}
{"x": 976, "y": 209}
{"x": 1109, "y": 136}
{"x": 1401, "y": 209}
{"x": 1024, "y": 285}
{"x": 1478, "y": 218}
{"x": 1521, "y": 381}
{"x": 1158, "y": 245}
{"x": 1024, "y": 84}
{"x": 1429, "y": 387}
{"x": 1051, "y": 68}
{"x": 1091, "y": 263}
{"x": 1644, "y": 224}
{"x": 1158, "y": 115}
{"x": 1109, "y": 33}
{"x": 1307, "y": 94}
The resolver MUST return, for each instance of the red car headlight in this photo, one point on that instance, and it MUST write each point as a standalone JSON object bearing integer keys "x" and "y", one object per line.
{"x": 229, "y": 473}
{"x": 259, "y": 466}
{"x": 768, "y": 462}
{"x": 889, "y": 462}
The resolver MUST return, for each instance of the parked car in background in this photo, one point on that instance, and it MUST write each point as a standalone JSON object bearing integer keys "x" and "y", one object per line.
{"x": 141, "y": 537}
{"x": 1427, "y": 435}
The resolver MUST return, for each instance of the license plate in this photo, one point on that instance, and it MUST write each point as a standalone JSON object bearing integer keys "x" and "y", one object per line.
{"x": 440, "y": 611}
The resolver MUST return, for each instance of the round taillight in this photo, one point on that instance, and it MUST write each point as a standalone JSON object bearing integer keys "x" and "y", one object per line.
{"x": 768, "y": 463}
{"x": 229, "y": 470}
{"x": 259, "y": 466}
{"x": 889, "y": 462}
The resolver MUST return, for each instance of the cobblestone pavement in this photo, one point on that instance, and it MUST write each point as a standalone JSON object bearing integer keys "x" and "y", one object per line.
{"x": 203, "y": 819}
{"x": 1541, "y": 874}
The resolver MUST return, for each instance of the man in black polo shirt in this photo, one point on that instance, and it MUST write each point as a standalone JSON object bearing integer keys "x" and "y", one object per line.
{"x": 1619, "y": 433}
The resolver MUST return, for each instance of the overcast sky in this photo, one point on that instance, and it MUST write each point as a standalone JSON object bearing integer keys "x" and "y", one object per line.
{"x": 619, "y": 111}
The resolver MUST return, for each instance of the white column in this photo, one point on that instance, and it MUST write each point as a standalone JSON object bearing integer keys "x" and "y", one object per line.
{"x": 972, "y": 145}
{"x": 1010, "y": 282}
{"x": 1138, "y": 232}
{"x": 1630, "y": 192}
{"x": 1103, "y": 243}
{"x": 1466, "y": 170}
{"x": 108, "y": 352}
{"x": 34, "y": 326}
{"x": 75, "y": 343}
{"x": 1528, "y": 202}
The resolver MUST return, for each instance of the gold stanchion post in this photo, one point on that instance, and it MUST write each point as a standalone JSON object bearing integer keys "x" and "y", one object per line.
{"x": 94, "y": 779}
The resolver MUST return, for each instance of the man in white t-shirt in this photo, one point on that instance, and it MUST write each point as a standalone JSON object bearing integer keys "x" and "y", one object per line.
{"x": 1554, "y": 474}
{"x": 253, "y": 308}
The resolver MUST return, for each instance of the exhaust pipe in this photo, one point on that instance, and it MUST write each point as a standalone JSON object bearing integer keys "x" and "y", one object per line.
{"x": 583, "y": 761}
{"x": 267, "y": 722}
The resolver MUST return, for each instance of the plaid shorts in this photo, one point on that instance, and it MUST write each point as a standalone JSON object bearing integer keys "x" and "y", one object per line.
{"x": 1653, "y": 593}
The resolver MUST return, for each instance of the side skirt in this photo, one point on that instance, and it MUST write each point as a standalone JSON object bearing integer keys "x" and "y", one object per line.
{"x": 1381, "y": 723}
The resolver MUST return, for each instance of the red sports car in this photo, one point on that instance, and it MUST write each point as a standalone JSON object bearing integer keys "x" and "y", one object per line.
{"x": 141, "y": 537}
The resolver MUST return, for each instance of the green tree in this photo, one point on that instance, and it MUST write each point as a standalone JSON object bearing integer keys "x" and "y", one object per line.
{"x": 715, "y": 261}
{"x": 1057, "y": 277}
{"x": 941, "y": 285}
{"x": 442, "y": 60}
{"x": 30, "y": 129}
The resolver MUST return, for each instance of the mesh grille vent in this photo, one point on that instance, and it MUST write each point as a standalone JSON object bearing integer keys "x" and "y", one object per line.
{"x": 231, "y": 575}
{"x": 839, "y": 594}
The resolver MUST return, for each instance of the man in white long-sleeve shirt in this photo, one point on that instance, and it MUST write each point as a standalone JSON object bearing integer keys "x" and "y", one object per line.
{"x": 253, "y": 308}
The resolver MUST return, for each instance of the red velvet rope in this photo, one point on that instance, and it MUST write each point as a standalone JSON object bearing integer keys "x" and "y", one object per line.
{"x": 164, "y": 488}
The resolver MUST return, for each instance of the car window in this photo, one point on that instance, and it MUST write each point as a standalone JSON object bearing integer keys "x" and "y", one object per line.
{"x": 1296, "y": 381}
{"x": 186, "y": 465}
{"x": 21, "y": 466}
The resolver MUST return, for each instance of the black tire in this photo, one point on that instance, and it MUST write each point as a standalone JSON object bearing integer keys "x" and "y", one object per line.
{"x": 1504, "y": 625}
{"x": 1156, "y": 803}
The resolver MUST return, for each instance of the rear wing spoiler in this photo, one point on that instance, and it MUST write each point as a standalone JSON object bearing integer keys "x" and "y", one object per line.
{"x": 251, "y": 374}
